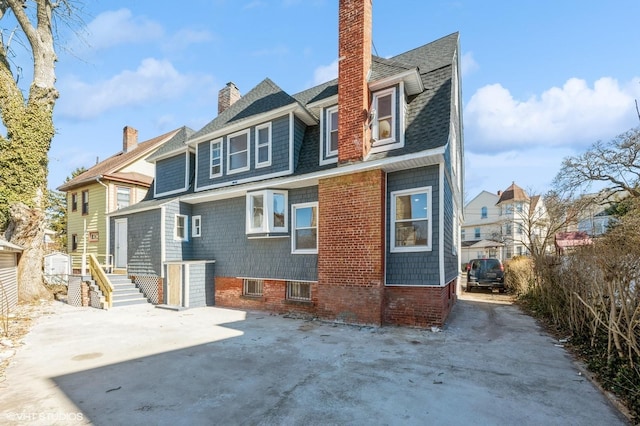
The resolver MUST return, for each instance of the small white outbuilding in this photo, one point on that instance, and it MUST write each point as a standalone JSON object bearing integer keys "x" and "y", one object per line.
{"x": 9, "y": 256}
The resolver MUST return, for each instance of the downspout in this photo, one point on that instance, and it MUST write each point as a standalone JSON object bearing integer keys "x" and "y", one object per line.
{"x": 106, "y": 212}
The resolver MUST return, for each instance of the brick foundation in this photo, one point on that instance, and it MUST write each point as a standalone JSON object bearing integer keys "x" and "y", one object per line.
{"x": 228, "y": 294}
{"x": 418, "y": 306}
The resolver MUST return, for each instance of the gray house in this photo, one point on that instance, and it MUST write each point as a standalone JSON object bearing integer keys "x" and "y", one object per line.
{"x": 343, "y": 201}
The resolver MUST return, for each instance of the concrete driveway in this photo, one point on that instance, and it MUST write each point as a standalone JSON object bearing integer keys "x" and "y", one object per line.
{"x": 140, "y": 365}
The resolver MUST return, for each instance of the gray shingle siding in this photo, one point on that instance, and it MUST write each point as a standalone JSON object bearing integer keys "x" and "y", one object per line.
{"x": 170, "y": 174}
{"x": 450, "y": 258}
{"x": 298, "y": 137}
{"x": 279, "y": 156}
{"x": 143, "y": 242}
{"x": 201, "y": 284}
{"x": 176, "y": 249}
{"x": 420, "y": 268}
{"x": 225, "y": 241}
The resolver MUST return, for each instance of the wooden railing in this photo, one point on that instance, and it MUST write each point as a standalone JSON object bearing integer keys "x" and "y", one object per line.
{"x": 98, "y": 274}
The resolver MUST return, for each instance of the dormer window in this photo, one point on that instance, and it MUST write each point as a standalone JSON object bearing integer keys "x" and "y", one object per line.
{"x": 384, "y": 118}
{"x": 331, "y": 132}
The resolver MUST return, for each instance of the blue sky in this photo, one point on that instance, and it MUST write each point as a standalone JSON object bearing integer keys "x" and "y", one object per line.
{"x": 541, "y": 79}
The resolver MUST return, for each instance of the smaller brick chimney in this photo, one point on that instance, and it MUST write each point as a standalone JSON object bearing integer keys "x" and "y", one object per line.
{"x": 227, "y": 96}
{"x": 129, "y": 139}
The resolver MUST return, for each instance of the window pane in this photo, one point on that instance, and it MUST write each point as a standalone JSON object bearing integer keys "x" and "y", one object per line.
{"x": 384, "y": 106}
{"x": 215, "y": 158}
{"x": 306, "y": 238}
{"x": 333, "y": 129}
{"x": 238, "y": 143}
{"x": 124, "y": 197}
{"x": 278, "y": 210}
{"x": 305, "y": 217}
{"x": 412, "y": 206}
{"x": 413, "y": 233}
{"x": 258, "y": 211}
{"x": 263, "y": 154}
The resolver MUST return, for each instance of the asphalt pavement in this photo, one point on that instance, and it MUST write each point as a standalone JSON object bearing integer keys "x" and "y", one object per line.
{"x": 489, "y": 365}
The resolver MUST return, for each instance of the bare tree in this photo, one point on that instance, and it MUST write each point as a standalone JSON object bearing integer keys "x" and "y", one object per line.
{"x": 615, "y": 163}
{"x": 29, "y": 130}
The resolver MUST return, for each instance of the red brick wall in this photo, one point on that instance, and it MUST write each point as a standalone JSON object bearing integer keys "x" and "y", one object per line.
{"x": 228, "y": 294}
{"x": 354, "y": 44}
{"x": 418, "y": 306}
{"x": 351, "y": 247}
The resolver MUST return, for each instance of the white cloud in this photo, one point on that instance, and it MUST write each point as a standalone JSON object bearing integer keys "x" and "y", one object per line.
{"x": 572, "y": 115}
{"x": 153, "y": 80}
{"x": 532, "y": 169}
{"x": 325, "y": 73}
{"x": 186, "y": 37}
{"x": 468, "y": 64}
{"x": 112, "y": 28}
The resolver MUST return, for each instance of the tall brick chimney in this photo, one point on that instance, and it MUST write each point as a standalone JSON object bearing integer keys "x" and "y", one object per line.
{"x": 354, "y": 45}
{"x": 129, "y": 139}
{"x": 227, "y": 96}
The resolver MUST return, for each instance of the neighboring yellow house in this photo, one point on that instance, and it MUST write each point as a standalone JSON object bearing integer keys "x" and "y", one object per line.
{"x": 120, "y": 180}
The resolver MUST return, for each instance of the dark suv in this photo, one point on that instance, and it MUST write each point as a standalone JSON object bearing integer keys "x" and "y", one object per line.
{"x": 485, "y": 273}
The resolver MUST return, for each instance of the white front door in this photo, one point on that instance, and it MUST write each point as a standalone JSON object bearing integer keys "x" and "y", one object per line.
{"x": 121, "y": 244}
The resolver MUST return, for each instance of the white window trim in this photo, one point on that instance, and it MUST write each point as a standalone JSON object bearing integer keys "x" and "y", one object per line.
{"x": 267, "y": 205}
{"x": 259, "y": 145}
{"x": 406, "y": 249}
{"x": 294, "y": 207}
{"x": 248, "y": 152}
{"x": 211, "y": 144}
{"x": 394, "y": 115}
{"x": 327, "y": 132}
{"x": 186, "y": 228}
{"x": 196, "y": 226}
{"x": 123, "y": 188}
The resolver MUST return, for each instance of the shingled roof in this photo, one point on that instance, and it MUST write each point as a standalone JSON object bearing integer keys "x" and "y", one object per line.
{"x": 513, "y": 193}
{"x": 112, "y": 166}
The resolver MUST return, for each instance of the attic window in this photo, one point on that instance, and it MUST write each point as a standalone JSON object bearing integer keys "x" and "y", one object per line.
{"x": 332, "y": 132}
{"x": 384, "y": 120}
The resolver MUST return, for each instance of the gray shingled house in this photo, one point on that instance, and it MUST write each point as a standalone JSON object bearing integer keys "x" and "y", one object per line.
{"x": 343, "y": 201}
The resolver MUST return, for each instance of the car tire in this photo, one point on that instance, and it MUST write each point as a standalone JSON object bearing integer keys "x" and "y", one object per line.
{"x": 469, "y": 288}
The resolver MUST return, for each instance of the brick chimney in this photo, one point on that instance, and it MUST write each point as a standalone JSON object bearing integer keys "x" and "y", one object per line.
{"x": 129, "y": 139}
{"x": 227, "y": 96}
{"x": 354, "y": 45}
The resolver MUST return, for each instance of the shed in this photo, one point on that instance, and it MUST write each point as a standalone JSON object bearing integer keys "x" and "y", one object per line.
{"x": 57, "y": 268}
{"x": 9, "y": 255}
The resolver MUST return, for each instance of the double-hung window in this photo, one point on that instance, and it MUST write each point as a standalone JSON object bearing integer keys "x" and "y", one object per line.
{"x": 238, "y": 152}
{"x": 216, "y": 158}
{"x": 483, "y": 213}
{"x": 123, "y": 197}
{"x": 411, "y": 220}
{"x": 331, "y": 132}
{"x": 263, "y": 145}
{"x": 74, "y": 202}
{"x": 384, "y": 121}
{"x": 267, "y": 212}
{"x": 476, "y": 233}
{"x": 180, "y": 229}
{"x": 196, "y": 226}
{"x": 85, "y": 202}
{"x": 305, "y": 228}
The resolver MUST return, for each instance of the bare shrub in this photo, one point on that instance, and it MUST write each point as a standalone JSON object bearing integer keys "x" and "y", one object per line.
{"x": 518, "y": 275}
{"x": 593, "y": 295}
